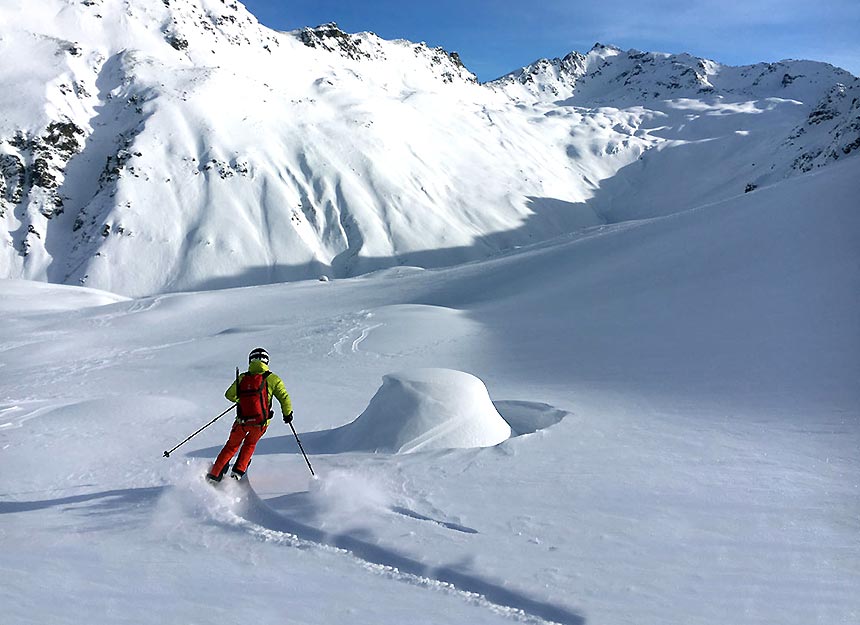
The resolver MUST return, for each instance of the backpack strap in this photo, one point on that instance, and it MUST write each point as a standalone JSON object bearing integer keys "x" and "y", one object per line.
{"x": 265, "y": 389}
{"x": 264, "y": 399}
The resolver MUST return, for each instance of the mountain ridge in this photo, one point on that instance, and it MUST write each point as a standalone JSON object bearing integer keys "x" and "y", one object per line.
{"x": 180, "y": 145}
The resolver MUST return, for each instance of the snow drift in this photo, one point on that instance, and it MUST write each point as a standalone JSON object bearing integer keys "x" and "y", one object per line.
{"x": 424, "y": 409}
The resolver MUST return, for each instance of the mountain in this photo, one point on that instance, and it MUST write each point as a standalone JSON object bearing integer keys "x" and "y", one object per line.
{"x": 164, "y": 145}
{"x": 641, "y": 408}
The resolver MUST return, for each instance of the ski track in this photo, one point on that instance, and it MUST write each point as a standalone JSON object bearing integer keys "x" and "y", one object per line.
{"x": 365, "y": 332}
{"x": 253, "y": 515}
{"x": 357, "y": 327}
{"x": 420, "y": 517}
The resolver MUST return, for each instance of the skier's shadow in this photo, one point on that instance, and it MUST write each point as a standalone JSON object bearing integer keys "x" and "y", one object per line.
{"x": 261, "y": 514}
{"x": 105, "y": 501}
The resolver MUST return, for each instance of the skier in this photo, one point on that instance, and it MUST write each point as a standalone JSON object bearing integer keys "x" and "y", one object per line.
{"x": 253, "y": 390}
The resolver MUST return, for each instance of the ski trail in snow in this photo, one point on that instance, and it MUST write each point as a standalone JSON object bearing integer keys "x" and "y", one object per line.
{"x": 420, "y": 517}
{"x": 252, "y": 514}
{"x": 365, "y": 332}
{"x": 345, "y": 334}
{"x": 361, "y": 328}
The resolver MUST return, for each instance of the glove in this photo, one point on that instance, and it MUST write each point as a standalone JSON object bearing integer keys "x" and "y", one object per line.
{"x": 288, "y": 418}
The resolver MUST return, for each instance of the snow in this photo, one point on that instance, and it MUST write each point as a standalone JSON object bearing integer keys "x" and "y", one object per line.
{"x": 423, "y": 410}
{"x": 22, "y": 295}
{"x": 683, "y": 387}
{"x": 207, "y": 165}
{"x": 650, "y": 375}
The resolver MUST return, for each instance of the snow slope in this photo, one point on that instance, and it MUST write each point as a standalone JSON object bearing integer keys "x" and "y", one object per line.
{"x": 684, "y": 387}
{"x": 152, "y": 146}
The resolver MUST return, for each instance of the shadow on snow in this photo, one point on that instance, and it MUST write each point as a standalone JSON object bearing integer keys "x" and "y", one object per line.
{"x": 500, "y": 593}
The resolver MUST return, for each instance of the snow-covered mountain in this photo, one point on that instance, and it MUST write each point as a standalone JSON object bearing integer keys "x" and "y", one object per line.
{"x": 648, "y": 413}
{"x": 162, "y": 145}
{"x": 610, "y": 77}
{"x": 716, "y": 128}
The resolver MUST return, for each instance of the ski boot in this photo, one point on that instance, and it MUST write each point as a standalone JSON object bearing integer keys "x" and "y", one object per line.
{"x": 214, "y": 479}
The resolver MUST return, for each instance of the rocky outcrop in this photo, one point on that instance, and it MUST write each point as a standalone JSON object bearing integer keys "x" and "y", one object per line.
{"x": 608, "y": 73}
{"x": 831, "y": 130}
{"x": 331, "y": 38}
{"x": 449, "y": 65}
{"x": 367, "y": 46}
{"x": 550, "y": 76}
{"x": 32, "y": 169}
{"x": 12, "y": 182}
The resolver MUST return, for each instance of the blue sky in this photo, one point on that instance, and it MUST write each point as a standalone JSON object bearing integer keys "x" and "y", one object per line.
{"x": 495, "y": 37}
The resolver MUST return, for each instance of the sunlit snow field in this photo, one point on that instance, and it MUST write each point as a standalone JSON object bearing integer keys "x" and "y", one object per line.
{"x": 683, "y": 401}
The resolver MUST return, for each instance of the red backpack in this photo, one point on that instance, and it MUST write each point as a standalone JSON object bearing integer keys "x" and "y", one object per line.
{"x": 253, "y": 393}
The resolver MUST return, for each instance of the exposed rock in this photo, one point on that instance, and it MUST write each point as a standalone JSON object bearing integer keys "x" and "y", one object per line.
{"x": 176, "y": 41}
{"x": 37, "y": 171}
{"x": 117, "y": 163}
{"x": 12, "y": 181}
{"x": 42, "y": 175}
{"x": 226, "y": 170}
{"x": 835, "y": 124}
{"x": 787, "y": 79}
{"x": 330, "y": 37}
{"x": 450, "y": 64}
{"x": 64, "y": 138}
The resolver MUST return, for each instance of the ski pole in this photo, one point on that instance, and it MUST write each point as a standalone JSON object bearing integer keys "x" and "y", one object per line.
{"x": 167, "y": 453}
{"x": 303, "y": 449}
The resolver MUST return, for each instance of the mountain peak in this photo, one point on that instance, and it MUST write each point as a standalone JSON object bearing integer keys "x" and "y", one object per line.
{"x": 160, "y": 145}
{"x": 600, "y": 47}
{"x": 608, "y": 75}
{"x": 331, "y": 38}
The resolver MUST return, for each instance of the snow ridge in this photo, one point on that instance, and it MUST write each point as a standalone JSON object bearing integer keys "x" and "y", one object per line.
{"x": 156, "y": 146}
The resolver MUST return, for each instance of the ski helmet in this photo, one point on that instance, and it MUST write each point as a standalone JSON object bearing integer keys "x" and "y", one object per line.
{"x": 259, "y": 354}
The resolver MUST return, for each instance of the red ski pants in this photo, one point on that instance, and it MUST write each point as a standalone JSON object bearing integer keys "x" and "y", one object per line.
{"x": 244, "y": 435}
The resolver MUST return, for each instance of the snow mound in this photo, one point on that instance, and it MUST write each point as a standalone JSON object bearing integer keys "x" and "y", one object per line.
{"x": 426, "y": 409}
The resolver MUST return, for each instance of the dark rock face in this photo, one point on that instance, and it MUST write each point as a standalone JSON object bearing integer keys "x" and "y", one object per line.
{"x": 12, "y": 182}
{"x": 837, "y": 118}
{"x": 449, "y": 63}
{"x": 177, "y": 42}
{"x": 36, "y": 169}
{"x": 330, "y": 37}
{"x": 358, "y": 48}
